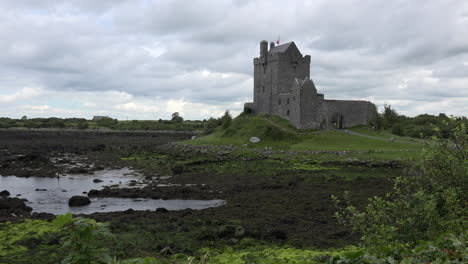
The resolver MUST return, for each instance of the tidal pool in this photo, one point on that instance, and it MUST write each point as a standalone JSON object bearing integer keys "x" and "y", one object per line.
{"x": 51, "y": 195}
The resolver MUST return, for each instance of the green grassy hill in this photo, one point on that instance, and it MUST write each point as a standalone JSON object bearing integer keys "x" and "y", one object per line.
{"x": 278, "y": 134}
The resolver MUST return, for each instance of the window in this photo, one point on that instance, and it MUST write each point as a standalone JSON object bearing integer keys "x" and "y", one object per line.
{"x": 294, "y": 98}
{"x": 287, "y": 113}
{"x": 287, "y": 102}
{"x": 279, "y": 101}
{"x": 263, "y": 89}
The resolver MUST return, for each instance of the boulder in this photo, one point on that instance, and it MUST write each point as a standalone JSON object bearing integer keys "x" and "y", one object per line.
{"x": 97, "y": 180}
{"x": 4, "y": 193}
{"x": 78, "y": 200}
{"x": 254, "y": 140}
{"x": 162, "y": 210}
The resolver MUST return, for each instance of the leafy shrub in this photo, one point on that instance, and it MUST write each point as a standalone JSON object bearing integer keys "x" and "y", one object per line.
{"x": 82, "y": 240}
{"x": 447, "y": 249}
{"x": 211, "y": 125}
{"x": 247, "y": 111}
{"x": 397, "y": 129}
{"x": 82, "y": 125}
{"x": 107, "y": 122}
{"x": 427, "y": 201}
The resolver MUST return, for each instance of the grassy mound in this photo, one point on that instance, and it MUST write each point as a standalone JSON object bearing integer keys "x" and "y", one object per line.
{"x": 277, "y": 133}
{"x": 271, "y": 130}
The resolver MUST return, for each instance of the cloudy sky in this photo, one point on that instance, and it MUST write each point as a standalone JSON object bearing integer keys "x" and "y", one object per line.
{"x": 144, "y": 59}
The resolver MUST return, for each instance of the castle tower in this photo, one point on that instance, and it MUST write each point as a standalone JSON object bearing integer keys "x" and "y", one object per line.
{"x": 274, "y": 74}
{"x": 282, "y": 87}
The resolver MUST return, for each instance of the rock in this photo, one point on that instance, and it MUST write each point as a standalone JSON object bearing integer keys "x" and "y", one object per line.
{"x": 148, "y": 178}
{"x": 193, "y": 137}
{"x": 245, "y": 145}
{"x": 78, "y": 200}
{"x": 97, "y": 180}
{"x": 161, "y": 210}
{"x": 4, "y": 193}
{"x": 78, "y": 170}
{"x": 93, "y": 192}
{"x": 41, "y": 190}
{"x": 178, "y": 169}
{"x": 392, "y": 139}
{"x": 129, "y": 211}
{"x": 99, "y": 147}
{"x": 254, "y": 140}
{"x": 16, "y": 206}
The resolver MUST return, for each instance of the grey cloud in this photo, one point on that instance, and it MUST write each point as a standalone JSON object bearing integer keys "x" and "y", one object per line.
{"x": 359, "y": 49}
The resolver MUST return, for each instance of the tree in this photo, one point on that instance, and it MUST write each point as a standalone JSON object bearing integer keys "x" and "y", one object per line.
{"x": 389, "y": 117}
{"x": 226, "y": 120}
{"x": 24, "y": 117}
{"x": 176, "y": 118}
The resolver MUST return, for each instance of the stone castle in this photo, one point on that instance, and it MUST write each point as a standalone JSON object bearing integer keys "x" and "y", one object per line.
{"x": 282, "y": 86}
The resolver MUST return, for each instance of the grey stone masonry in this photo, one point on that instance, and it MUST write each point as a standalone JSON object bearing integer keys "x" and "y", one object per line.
{"x": 283, "y": 87}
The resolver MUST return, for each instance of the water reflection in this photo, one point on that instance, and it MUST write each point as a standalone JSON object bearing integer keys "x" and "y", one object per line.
{"x": 51, "y": 194}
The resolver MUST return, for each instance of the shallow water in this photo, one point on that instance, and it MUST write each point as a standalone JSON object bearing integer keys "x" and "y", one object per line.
{"x": 51, "y": 194}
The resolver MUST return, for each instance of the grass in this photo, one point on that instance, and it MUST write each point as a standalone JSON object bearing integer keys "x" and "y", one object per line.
{"x": 278, "y": 134}
{"x": 337, "y": 140}
{"x": 382, "y": 133}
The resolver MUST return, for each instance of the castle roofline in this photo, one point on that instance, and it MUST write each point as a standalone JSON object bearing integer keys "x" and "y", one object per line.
{"x": 281, "y": 48}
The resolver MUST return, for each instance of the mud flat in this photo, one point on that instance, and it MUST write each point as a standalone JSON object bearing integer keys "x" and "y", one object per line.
{"x": 279, "y": 197}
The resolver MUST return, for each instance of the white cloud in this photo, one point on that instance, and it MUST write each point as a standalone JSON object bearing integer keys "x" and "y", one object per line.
{"x": 24, "y": 93}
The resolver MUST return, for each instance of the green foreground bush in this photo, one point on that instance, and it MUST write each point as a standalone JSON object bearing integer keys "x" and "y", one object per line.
{"x": 427, "y": 203}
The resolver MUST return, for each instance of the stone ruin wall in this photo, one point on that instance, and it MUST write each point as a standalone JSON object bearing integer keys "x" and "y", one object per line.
{"x": 353, "y": 112}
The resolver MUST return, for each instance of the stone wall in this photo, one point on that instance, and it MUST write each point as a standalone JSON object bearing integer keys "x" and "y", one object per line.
{"x": 348, "y": 113}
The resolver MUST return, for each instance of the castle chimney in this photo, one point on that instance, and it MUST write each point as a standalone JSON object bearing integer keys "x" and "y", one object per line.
{"x": 263, "y": 48}
{"x": 272, "y": 45}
